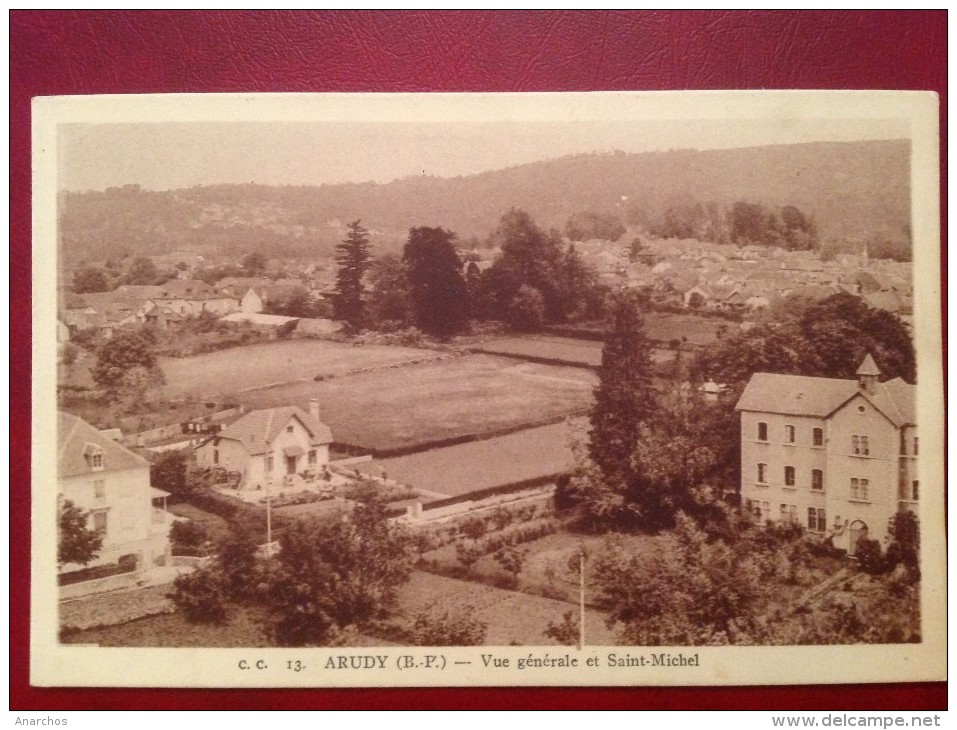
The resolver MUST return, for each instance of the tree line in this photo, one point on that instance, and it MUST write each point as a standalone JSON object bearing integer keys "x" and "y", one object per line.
{"x": 534, "y": 280}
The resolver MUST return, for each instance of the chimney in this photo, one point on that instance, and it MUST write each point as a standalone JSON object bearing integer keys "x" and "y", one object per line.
{"x": 314, "y": 408}
{"x": 867, "y": 375}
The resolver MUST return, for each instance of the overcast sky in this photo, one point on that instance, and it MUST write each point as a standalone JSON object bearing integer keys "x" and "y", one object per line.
{"x": 163, "y": 156}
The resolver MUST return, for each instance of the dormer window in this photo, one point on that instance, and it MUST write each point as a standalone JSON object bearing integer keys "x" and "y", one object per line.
{"x": 94, "y": 456}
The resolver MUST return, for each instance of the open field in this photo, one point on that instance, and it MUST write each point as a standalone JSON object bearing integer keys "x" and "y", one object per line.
{"x": 559, "y": 350}
{"x": 564, "y": 349}
{"x": 667, "y": 326}
{"x": 401, "y": 407}
{"x": 239, "y": 368}
{"x": 464, "y": 468}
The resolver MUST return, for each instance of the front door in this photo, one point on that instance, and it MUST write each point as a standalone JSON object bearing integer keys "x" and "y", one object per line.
{"x": 290, "y": 464}
{"x": 858, "y": 531}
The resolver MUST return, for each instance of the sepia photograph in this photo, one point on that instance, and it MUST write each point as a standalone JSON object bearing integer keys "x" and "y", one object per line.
{"x": 501, "y": 389}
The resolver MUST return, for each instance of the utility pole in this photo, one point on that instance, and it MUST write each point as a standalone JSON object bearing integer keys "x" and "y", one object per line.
{"x": 269, "y": 514}
{"x": 581, "y": 598}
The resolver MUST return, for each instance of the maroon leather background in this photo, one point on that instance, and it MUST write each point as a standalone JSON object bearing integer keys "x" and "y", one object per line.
{"x": 147, "y": 52}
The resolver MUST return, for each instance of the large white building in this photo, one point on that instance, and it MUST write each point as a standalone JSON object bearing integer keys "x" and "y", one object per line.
{"x": 112, "y": 484}
{"x": 839, "y": 456}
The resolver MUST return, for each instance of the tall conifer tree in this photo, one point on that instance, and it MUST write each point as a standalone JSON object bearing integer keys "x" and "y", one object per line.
{"x": 624, "y": 397}
{"x": 353, "y": 258}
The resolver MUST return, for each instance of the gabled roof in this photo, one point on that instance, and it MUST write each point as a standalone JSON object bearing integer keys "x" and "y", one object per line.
{"x": 258, "y": 429}
{"x": 801, "y": 395}
{"x": 77, "y": 439}
{"x": 868, "y": 367}
{"x": 186, "y": 289}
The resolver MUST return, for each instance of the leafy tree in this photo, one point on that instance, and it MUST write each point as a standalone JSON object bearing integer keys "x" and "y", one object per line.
{"x": 529, "y": 257}
{"x": 142, "y": 270}
{"x": 297, "y": 303}
{"x": 904, "y": 530}
{"x": 168, "y": 472}
{"x": 586, "y": 226}
{"x": 188, "y": 537}
{"x": 526, "y": 311}
{"x": 330, "y": 576}
{"x": 698, "y": 591}
{"x": 468, "y": 554}
{"x": 511, "y": 559}
{"x": 241, "y": 572}
{"x": 624, "y": 397}
{"x": 353, "y": 258}
{"x": 126, "y": 362}
{"x": 436, "y": 286}
{"x": 566, "y": 632}
{"x": 390, "y": 304}
{"x": 90, "y": 280}
{"x": 78, "y": 544}
{"x": 254, "y": 263}
{"x": 580, "y": 296}
{"x": 199, "y": 596}
{"x": 828, "y": 338}
{"x": 441, "y": 626}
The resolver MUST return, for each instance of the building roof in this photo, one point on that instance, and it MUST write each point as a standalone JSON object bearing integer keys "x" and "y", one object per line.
{"x": 77, "y": 439}
{"x": 868, "y": 367}
{"x": 801, "y": 395}
{"x": 187, "y": 289}
{"x": 258, "y": 429}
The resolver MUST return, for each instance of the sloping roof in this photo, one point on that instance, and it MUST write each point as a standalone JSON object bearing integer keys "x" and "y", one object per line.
{"x": 801, "y": 395}
{"x": 187, "y": 289}
{"x": 258, "y": 429}
{"x": 868, "y": 367}
{"x": 76, "y": 438}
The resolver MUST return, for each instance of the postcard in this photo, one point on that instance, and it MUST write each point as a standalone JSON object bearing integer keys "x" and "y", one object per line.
{"x": 372, "y": 390}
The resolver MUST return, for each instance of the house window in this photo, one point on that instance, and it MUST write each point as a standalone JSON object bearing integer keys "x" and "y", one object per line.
{"x": 818, "y": 435}
{"x": 789, "y": 476}
{"x": 915, "y": 446}
{"x": 784, "y": 513}
{"x": 99, "y": 521}
{"x": 859, "y": 488}
{"x": 762, "y": 431}
{"x": 215, "y": 456}
{"x": 816, "y": 519}
{"x": 914, "y": 490}
{"x": 96, "y": 460}
{"x": 312, "y": 457}
{"x": 268, "y": 463}
{"x": 289, "y": 428}
{"x": 789, "y": 434}
{"x": 817, "y": 479}
{"x": 793, "y": 513}
{"x": 99, "y": 488}
{"x": 766, "y": 510}
{"x": 860, "y": 445}
{"x": 762, "y": 473}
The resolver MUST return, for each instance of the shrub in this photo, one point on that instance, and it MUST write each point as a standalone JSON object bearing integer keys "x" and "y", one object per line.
{"x": 189, "y": 538}
{"x": 870, "y": 556}
{"x": 199, "y": 596}
{"x": 474, "y": 527}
